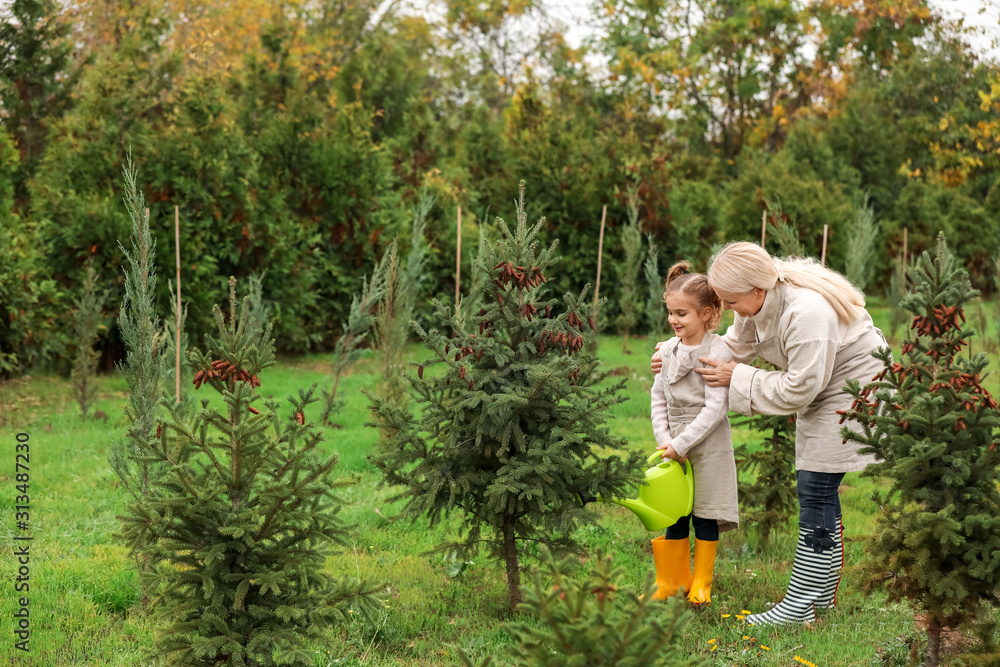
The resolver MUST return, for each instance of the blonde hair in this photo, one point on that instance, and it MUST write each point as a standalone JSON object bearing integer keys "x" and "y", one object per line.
{"x": 740, "y": 267}
{"x": 695, "y": 287}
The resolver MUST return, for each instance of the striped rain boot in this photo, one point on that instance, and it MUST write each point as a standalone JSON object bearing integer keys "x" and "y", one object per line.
{"x": 829, "y": 597}
{"x": 809, "y": 580}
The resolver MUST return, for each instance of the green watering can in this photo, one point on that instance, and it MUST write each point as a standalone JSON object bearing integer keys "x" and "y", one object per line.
{"x": 667, "y": 496}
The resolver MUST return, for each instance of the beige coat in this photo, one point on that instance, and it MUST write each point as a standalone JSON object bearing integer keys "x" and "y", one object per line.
{"x": 681, "y": 417}
{"x": 798, "y": 331}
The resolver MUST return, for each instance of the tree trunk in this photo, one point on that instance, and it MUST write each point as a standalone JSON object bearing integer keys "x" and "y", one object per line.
{"x": 510, "y": 559}
{"x": 933, "y": 641}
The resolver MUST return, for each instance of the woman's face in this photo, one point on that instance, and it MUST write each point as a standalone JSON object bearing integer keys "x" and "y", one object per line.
{"x": 745, "y": 304}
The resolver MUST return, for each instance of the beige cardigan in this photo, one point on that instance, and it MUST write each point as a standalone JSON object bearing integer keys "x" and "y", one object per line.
{"x": 798, "y": 331}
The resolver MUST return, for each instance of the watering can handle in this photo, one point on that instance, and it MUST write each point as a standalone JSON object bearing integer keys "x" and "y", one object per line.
{"x": 655, "y": 459}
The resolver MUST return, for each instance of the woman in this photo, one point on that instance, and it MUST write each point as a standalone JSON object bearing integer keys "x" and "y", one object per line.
{"x": 811, "y": 324}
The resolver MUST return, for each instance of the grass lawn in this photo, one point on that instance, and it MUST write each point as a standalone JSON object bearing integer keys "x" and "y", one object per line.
{"x": 83, "y": 597}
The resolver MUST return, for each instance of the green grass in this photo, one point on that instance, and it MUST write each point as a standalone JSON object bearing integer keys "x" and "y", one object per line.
{"x": 84, "y": 605}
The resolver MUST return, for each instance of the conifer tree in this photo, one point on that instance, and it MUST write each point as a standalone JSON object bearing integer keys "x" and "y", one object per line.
{"x": 144, "y": 342}
{"x": 87, "y": 321}
{"x": 592, "y": 620}
{"x": 931, "y": 425}
{"x": 360, "y": 320}
{"x": 511, "y": 429}
{"x": 628, "y": 270}
{"x": 655, "y": 310}
{"x": 770, "y": 499}
{"x": 242, "y": 517}
{"x": 861, "y": 246}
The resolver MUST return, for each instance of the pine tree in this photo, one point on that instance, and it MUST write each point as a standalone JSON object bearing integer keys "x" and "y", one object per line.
{"x": 242, "y": 518}
{"x": 931, "y": 425}
{"x": 770, "y": 499}
{"x": 511, "y": 428}
{"x": 628, "y": 270}
{"x": 87, "y": 321}
{"x": 591, "y": 620}
{"x": 782, "y": 231}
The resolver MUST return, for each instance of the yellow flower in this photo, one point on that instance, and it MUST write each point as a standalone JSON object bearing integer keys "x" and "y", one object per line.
{"x": 766, "y": 648}
{"x": 713, "y": 648}
{"x": 712, "y": 640}
{"x": 740, "y": 617}
{"x": 726, "y": 615}
{"x": 805, "y": 662}
{"x": 745, "y": 611}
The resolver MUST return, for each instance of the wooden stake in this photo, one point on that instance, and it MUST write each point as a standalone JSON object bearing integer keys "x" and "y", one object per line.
{"x": 600, "y": 252}
{"x": 458, "y": 258}
{"x": 822, "y": 260}
{"x": 904, "y": 247}
{"x": 177, "y": 244}
{"x": 763, "y": 228}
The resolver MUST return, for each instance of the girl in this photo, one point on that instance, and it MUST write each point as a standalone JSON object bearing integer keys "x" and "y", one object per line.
{"x": 689, "y": 421}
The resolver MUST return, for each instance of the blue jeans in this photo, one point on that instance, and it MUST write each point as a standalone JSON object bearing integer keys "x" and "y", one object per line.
{"x": 819, "y": 506}
{"x": 706, "y": 530}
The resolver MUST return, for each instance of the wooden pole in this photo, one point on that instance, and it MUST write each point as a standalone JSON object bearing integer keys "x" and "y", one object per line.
{"x": 904, "y": 247}
{"x": 600, "y": 252}
{"x": 458, "y": 258}
{"x": 177, "y": 244}
{"x": 822, "y": 260}
{"x": 763, "y": 228}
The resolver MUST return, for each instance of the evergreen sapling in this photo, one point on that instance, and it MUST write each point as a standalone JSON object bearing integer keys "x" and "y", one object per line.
{"x": 512, "y": 426}
{"x": 769, "y": 501}
{"x": 628, "y": 270}
{"x": 932, "y": 426}
{"x": 590, "y": 619}
{"x": 87, "y": 322}
{"x": 243, "y": 518}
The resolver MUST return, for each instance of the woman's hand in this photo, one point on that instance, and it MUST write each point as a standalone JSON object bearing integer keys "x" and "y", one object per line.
{"x": 670, "y": 453}
{"x": 655, "y": 362}
{"x": 718, "y": 373}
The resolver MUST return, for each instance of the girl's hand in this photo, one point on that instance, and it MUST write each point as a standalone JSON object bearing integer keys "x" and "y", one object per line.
{"x": 670, "y": 453}
{"x": 718, "y": 373}
{"x": 655, "y": 362}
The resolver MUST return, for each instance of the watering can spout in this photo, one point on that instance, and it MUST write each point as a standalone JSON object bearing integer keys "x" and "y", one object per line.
{"x": 667, "y": 496}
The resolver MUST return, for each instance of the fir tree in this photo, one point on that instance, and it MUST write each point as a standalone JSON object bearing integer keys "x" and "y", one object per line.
{"x": 861, "y": 246}
{"x": 628, "y": 270}
{"x": 782, "y": 231}
{"x": 511, "y": 429}
{"x": 242, "y": 517}
{"x": 931, "y": 425}
{"x": 87, "y": 321}
{"x": 770, "y": 499}
{"x": 591, "y": 620}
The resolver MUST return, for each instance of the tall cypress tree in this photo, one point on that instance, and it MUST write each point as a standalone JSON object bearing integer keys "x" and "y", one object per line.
{"x": 932, "y": 425}
{"x": 512, "y": 414}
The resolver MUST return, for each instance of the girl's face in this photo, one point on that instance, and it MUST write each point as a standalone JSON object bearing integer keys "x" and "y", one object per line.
{"x": 688, "y": 321}
{"x": 744, "y": 304}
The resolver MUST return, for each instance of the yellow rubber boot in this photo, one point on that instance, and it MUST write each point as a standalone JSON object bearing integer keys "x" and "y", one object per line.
{"x": 673, "y": 566}
{"x": 704, "y": 562}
